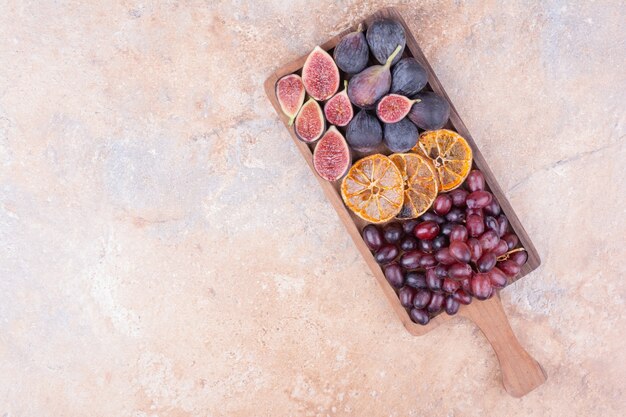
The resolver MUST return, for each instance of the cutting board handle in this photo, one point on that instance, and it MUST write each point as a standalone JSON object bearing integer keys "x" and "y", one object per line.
{"x": 520, "y": 372}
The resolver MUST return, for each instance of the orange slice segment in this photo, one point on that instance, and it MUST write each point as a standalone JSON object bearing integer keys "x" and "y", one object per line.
{"x": 373, "y": 189}
{"x": 420, "y": 183}
{"x": 450, "y": 154}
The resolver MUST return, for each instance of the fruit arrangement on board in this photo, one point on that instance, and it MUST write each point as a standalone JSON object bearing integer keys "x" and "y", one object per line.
{"x": 438, "y": 233}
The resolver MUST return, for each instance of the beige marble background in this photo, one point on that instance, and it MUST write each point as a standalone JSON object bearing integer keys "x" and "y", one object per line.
{"x": 166, "y": 251}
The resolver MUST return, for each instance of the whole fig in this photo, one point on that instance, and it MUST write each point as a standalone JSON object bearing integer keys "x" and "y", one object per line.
{"x": 383, "y": 36}
{"x": 431, "y": 112}
{"x": 369, "y": 85}
{"x": 352, "y": 53}
{"x": 408, "y": 77}
{"x": 364, "y": 132}
{"x": 400, "y": 136}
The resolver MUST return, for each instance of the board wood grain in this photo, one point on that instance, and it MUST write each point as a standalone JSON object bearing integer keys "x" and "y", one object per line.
{"x": 521, "y": 373}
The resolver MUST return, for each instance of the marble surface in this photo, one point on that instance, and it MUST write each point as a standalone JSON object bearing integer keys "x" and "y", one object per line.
{"x": 166, "y": 251}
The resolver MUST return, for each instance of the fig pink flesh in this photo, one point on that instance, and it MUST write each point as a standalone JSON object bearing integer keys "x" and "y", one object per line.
{"x": 309, "y": 124}
{"x": 393, "y": 108}
{"x": 331, "y": 157}
{"x": 290, "y": 94}
{"x": 338, "y": 109}
{"x": 320, "y": 75}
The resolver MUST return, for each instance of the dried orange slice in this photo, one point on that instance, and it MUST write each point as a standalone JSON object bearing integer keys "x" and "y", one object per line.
{"x": 450, "y": 154}
{"x": 420, "y": 183}
{"x": 373, "y": 189}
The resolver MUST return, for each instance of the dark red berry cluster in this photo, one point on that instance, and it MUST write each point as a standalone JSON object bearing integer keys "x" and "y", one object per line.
{"x": 462, "y": 248}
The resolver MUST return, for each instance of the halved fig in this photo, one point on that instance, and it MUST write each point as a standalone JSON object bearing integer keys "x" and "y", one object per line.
{"x": 310, "y": 123}
{"x": 369, "y": 85}
{"x": 393, "y": 107}
{"x": 338, "y": 109}
{"x": 290, "y": 95}
{"x": 331, "y": 158}
{"x": 352, "y": 53}
{"x": 320, "y": 75}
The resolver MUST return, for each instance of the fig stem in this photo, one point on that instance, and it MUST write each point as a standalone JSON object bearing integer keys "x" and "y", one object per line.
{"x": 392, "y": 56}
{"x": 292, "y": 119}
{"x": 417, "y": 100}
{"x": 360, "y": 27}
{"x": 345, "y": 85}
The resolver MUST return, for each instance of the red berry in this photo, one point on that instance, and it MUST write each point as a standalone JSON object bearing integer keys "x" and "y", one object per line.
{"x": 427, "y": 230}
{"x": 442, "y": 204}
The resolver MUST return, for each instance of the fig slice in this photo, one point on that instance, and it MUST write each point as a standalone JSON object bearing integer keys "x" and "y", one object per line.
{"x": 320, "y": 75}
{"x": 310, "y": 124}
{"x": 290, "y": 95}
{"x": 331, "y": 158}
{"x": 369, "y": 85}
{"x": 338, "y": 109}
{"x": 393, "y": 107}
{"x": 352, "y": 53}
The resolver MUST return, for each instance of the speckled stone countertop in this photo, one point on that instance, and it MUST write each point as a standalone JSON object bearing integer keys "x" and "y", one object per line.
{"x": 167, "y": 252}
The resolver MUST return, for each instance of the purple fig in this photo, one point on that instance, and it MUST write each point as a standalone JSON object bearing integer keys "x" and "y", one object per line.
{"x": 383, "y": 37}
{"x": 401, "y": 136}
{"x": 352, "y": 53}
{"x": 364, "y": 132}
{"x": 408, "y": 77}
{"x": 369, "y": 85}
{"x": 431, "y": 113}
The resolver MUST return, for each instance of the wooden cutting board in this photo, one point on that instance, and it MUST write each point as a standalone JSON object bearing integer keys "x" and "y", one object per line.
{"x": 520, "y": 372}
